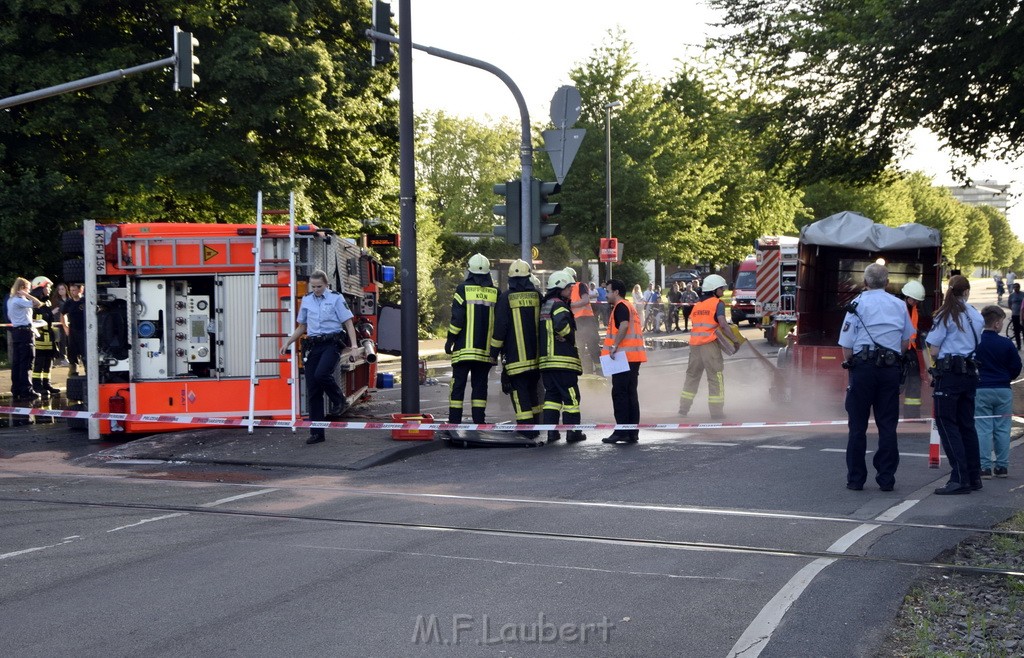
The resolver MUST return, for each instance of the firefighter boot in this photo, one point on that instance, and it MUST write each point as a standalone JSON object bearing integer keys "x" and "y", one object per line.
{"x": 478, "y": 415}
{"x": 550, "y": 417}
{"x": 531, "y": 434}
{"x": 575, "y": 436}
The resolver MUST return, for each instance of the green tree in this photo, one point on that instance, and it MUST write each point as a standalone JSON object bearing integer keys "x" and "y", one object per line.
{"x": 752, "y": 200}
{"x": 854, "y": 77}
{"x": 1005, "y": 245}
{"x": 661, "y": 180}
{"x": 460, "y": 160}
{"x": 287, "y": 102}
{"x": 936, "y": 207}
{"x": 977, "y": 250}
{"x": 887, "y": 201}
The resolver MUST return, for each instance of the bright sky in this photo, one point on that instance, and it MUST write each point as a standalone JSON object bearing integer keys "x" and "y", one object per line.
{"x": 537, "y": 42}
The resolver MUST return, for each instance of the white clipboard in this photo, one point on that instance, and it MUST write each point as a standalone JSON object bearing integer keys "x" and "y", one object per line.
{"x": 613, "y": 365}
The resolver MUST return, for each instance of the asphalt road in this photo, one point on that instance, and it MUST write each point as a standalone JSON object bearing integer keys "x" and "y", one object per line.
{"x": 698, "y": 542}
{"x": 686, "y": 544}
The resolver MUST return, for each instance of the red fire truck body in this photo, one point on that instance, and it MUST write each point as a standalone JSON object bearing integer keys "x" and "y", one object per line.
{"x": 189, "y": 324}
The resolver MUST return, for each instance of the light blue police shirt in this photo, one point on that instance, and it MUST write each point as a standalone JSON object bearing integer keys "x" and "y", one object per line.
{"x": 19, "y": 310}
{"x": 881, "y": 317}
{"x": 952, "y": 341}
{"x": 323, "y": 315}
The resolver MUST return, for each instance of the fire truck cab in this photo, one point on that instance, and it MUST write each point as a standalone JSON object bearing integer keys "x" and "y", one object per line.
{"x": 190, "y": 318}
{"x": 775, "y": 301}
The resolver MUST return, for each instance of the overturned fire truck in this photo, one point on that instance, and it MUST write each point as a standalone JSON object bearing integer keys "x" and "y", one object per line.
{"x": 188, "y": 319}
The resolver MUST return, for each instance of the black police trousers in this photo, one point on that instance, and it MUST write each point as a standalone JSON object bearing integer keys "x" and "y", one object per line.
{"x": 23, "y": 351}
{"x": 320, "y": 362}
{"x": 872, "y": 388}
{"x": 954, "y": 416}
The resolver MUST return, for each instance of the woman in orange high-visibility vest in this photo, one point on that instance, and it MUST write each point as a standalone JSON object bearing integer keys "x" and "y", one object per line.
{"x": 705, "y": 355}
{"x": 625, "y": 334}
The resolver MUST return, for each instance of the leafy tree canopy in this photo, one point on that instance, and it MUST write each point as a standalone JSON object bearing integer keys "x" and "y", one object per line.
{"x": 287, "y": 102}
{"x": 854, "y": 77}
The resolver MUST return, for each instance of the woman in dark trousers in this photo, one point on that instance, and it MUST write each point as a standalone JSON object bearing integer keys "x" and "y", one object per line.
{"x": 953, "y": 341}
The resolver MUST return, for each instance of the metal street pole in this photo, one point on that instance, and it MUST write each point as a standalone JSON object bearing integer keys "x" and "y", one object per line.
{"x": 608, "y": 176}
{"x": 407, "y": 204}
{"x": 525, "y": 143}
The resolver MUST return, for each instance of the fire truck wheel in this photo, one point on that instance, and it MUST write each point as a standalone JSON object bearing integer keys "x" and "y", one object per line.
{"x": 76, "y": 388}
{"x": 74, "y": 270}
{"x": 78, "y": 423}
{"x": 71, "y": 243}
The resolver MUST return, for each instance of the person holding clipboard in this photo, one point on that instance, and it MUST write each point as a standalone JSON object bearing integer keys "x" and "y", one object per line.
{"x": 621, "y": 357}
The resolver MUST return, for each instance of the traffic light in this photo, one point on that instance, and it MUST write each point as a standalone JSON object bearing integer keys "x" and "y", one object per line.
{"x": 381, "y": 53}
{"x": 511, "y": 210}
{"x": 542, "y": 208}
{"x": 185, "y": 59}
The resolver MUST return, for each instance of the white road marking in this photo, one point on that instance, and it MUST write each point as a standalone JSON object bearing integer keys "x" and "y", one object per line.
{"x": 844, "y": 543}
{"x": 230, "y": 499}
{"x": 4, "y": 556}
{"x": 894, "y": 511}
{"x": 155, "y": 518}
{"x": 770, "y": 447}
{"x": 713, "y": 443}
{"x": 760, "y": 631}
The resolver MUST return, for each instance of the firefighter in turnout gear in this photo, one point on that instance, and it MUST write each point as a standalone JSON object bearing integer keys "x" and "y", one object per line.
{"x": 516, "y": 320}
{"x": 708, "y": 316}
{"x": 469, "y": 339}
{"x": 559, "y": 359}
{"x": 914, "y": 293}
{"x": 46, "y": 349}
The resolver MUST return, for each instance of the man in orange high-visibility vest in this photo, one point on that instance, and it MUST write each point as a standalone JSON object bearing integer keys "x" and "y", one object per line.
{"x": 587, "y": 339}
{"x": 708, "y": 316}
{"x": 625, "y": 334}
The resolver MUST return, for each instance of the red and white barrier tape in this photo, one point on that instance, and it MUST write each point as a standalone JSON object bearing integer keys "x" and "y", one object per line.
{"x": 415, "y": 425}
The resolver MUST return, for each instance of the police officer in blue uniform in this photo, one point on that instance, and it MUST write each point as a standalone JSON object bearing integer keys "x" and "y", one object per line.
{"x": 953, "y": 341}
{"x": 322, "y": 316}
{"x": 875, "y": 334}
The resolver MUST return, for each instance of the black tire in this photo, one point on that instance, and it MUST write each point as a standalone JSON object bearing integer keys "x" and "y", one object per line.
{"x": 71, "y": 243}
{"x": 77, "y": 389}
{"x": 78, "y": 423}
{"x": 74, "y": 271}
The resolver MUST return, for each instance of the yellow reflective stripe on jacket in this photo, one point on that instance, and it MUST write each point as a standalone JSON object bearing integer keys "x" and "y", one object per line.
{"x": 566, "y": 329}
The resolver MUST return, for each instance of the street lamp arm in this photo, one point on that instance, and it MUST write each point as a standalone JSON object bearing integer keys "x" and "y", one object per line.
{"x": 526, "y": 141}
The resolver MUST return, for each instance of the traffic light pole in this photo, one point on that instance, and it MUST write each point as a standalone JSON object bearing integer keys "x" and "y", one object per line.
{"x": 84, "y": 83}
{"x": 526, "y": 143}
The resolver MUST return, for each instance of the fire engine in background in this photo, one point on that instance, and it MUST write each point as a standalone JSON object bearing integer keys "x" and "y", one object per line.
{"x": 190, "y": 317}
{"x": 832, "y": 255}
{"x": 743, "y": 306}
{"x": 775, "y": 301}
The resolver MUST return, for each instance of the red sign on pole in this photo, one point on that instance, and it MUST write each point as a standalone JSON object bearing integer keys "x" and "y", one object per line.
{"x": 609, "y": 252}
